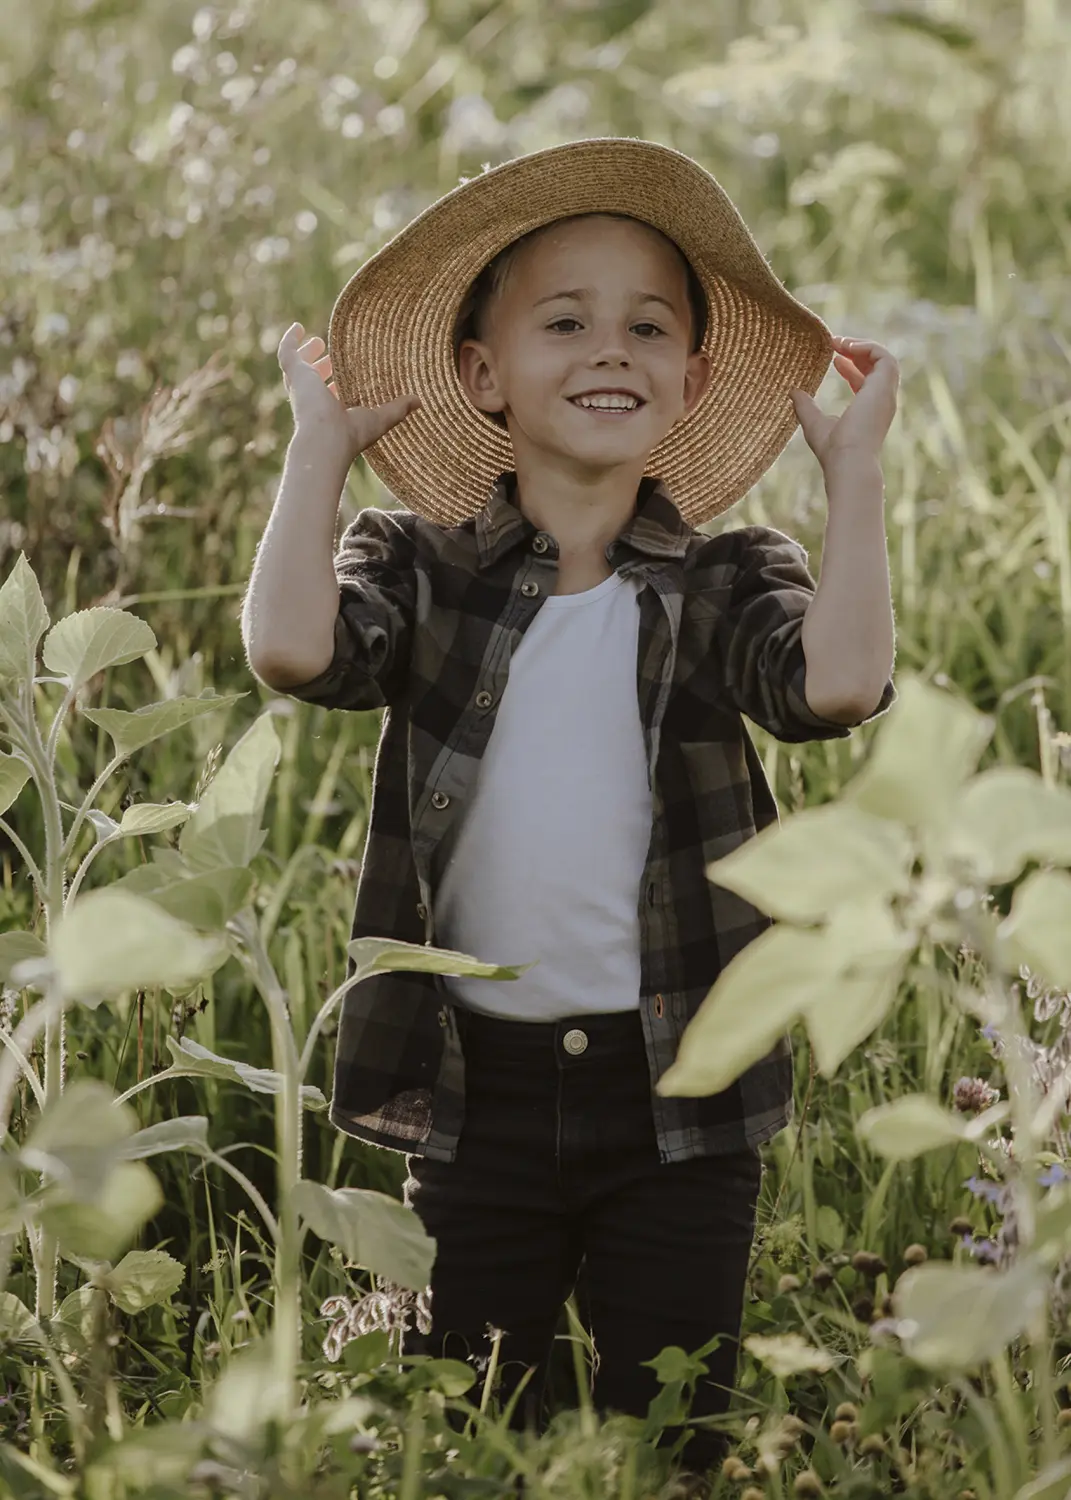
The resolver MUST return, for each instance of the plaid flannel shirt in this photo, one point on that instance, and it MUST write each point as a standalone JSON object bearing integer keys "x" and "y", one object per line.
{"x": 428, "y": 619}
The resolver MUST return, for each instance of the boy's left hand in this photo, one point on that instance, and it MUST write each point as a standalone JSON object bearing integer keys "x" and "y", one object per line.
{"x": 858, "y": 433}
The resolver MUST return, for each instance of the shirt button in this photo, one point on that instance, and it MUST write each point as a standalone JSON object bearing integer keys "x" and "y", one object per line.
{"x": 529, "y": 589}
{"x": 440, "y": 800}
{"x": 575, "y": 1042}
{"x": 540, "y": 544}
{"x": 484, "y": 699}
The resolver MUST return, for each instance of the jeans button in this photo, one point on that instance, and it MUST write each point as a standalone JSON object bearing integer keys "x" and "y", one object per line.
{"x": 484, "y": 699}
{"x": 530, "y": 589}
{"x": 575, "y": 1042}
{"x": 440, "y": 800}
{"x": 540, "y": 544}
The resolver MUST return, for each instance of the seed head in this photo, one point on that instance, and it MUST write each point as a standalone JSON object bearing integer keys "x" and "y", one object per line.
{"x": 972, "y": 1095}
{"x": 734, "y": 1469}
{"x": 1063, "y": 1418}
{"x": 960, "y": 1226}
{"x": 863, "y": 1309}
{"x": 788, "y": 1283}
{"x": 808, "y": 1486}
{"x": 822, "y": 1277}
{"x": 751, "y": 1493}
{"x": 846, "y": 1412}
{"x": 792, "y": 1427}
{"x": 872, "y": 1445}
{"x": 842, "y": 1433}
{"x": 914, "y": 1255}
{"x": 868, "y": 1264}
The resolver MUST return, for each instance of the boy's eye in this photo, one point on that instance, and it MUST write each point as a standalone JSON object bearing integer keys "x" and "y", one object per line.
{"x": 557, "y": 325}
{"x": 645, "y": 330}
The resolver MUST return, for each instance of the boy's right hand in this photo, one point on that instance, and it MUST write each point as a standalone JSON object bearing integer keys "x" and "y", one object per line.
{"x": 317, "y": 406}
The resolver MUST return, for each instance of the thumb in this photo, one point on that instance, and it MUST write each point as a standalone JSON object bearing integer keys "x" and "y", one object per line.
{"x": 813, "y": 420}
{"x": 381, "y": 419}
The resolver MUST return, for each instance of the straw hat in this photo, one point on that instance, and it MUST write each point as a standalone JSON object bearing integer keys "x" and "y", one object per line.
{"x": 392, "y": 327}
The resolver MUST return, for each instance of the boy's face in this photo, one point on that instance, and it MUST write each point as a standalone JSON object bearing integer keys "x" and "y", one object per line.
{"x": 587, "y": 347}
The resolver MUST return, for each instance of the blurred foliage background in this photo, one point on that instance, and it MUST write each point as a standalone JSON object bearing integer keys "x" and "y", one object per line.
{"x": 181, "y": 181}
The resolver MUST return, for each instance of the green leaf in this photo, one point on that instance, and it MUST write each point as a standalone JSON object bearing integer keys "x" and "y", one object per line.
{"x": 863, "y": 953}
{"x": 451, "y": 1376}
{"x": 14, "y": 774}
{"x": 153, "y": 817}
{"x": 131, "y": 731}
{"x": 928, "y": 746}
{"x": 15, "y": 947}
{"x": 1037, "y": 930}
{"x": 385, "y": 956}
{"x": 23, "y": 621}
{"x": 956, "y": 1317}
{"x": 788, "y": 1354}
{"x": 916, "y": 1123}
{"x": 829, "y": 1227}
{"x": 110, "y": 940}
{"x": 672, "y": 1366}
{"x": 207, "y": 902}
{"x": 102, "y": 1230}
{"x": 17, "y": 1322}
{"x": 1054, "y": 1483}
{"x": 184, "y": 1133}
{"x": 1053, "y": 1237}
{"x": 755, "y": 999}
{"x": 803, "y": 870}
{"x": 224, "y": 828}
{"x": 1006, "y": 818}
{"x": 142, "y": 1279}
{"x": 77, "y": 1138}
{"x": 83, "y": 644}
{"x": 250, "y": 1393}
{"x": 75, "y": 1324}
{"x": 191, "y": 1058}
{"x": 371, "y": 1229}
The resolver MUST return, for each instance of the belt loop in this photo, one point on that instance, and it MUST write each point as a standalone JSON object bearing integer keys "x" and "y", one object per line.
{"x": 659, "y": 1006}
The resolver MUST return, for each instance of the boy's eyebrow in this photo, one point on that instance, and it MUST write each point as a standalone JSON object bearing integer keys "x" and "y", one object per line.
{"x": 577, "y": 294}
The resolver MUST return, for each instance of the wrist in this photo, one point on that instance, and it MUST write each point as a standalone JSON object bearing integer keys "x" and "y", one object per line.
{"x": 854, "y": 474}
{"x": 313, "y": 446}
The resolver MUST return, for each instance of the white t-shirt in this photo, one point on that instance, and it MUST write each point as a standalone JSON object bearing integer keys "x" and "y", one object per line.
{"x": 549, "y": 859}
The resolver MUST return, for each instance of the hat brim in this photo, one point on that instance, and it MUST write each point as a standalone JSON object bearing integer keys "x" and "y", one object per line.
{"x": 392, "y": 327}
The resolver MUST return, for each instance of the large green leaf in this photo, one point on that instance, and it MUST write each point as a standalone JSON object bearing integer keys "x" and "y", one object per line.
{"x": 916, "y": 1123}
{"x": 371, "y": 1229}
{"x": 153, "y": 817}
{"x": 23, "y": 621}
{"x": 864, "y": 952}
{"x": 225, "y": 826}
{"x": 207, "y": 902}
{"x": 1053, "y": 1483}
{"x": 17, "y": 1322}
{"x": 385, "y": 956}
{"x": 83, "y": 644}
{"x": 756, "y": 998}
{"x": 956, "y": 1317}
{"x": 14, "y": 774}
{"x": 804, "y": 870}
{"x": 182, "y": 1133}
{"x": 928, "y": 746}
{"x": 1005, "y": 818}
{"x": 110, "y": 940}
{"x": 143, "y": 1278}
{"x": 191, "y": 1058}
{"x": 77, "y": 1320}
{"x": 250, "y": 1392}
{"x": 101, "y": 1230}
{"x": 130, "y": 731}
{"x": 77, "y": 1138}
{"x": 15, "y": 947}
{"x": 1037, "y": 930}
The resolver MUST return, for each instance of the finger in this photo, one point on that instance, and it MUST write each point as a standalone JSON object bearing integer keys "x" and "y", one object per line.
{"x": 850, "y": 371}
{"x": 391, "y": 413}
{"x": 289, "y": 344}
{"x": 813, "y": 420}
{"x": 333, "y": 388}
{"x": 312, "y": 349}
{"x": 323, "y": 366}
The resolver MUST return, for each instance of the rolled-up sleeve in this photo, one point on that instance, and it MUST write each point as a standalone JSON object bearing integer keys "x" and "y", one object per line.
{"x": 759, "y": 642}
{"x": 374, "y": 566}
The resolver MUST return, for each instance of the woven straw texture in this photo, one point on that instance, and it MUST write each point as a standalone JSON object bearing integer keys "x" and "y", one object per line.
{"x": 392, "y": 327}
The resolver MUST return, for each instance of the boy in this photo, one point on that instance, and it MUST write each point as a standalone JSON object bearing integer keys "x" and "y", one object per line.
{"x": 562, "y": 368}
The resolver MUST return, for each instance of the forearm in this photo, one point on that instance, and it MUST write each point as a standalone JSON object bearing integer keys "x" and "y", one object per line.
{"x": 848, "y": 631}
{"x": 288, "y": 617}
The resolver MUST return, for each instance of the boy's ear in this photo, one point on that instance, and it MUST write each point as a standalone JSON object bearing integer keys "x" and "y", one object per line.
{"x": 478, "y": 378}
{"x": 696, "y": 380}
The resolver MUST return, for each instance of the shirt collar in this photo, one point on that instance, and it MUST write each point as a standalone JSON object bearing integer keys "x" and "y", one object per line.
{"x": 656, "y": 529}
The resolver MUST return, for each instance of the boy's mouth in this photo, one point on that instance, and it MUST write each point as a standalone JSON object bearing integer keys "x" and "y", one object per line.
{"x": 608, "y": 403}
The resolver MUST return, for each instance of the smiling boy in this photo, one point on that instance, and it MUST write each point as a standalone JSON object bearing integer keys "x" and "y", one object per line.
{"x": 561, "y": 369}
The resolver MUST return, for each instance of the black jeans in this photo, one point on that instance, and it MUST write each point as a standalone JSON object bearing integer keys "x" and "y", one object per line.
{"x": 558, "y": 1166}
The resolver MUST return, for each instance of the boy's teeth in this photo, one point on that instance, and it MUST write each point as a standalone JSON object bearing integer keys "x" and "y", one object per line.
{"x": 608, "y": 403}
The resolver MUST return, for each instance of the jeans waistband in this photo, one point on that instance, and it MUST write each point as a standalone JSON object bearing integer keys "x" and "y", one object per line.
{"x": 591, "y": 1036}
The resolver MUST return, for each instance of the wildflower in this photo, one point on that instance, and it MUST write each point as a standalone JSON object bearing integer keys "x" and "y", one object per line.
{"x": 1053, "y": 1175}
{"x": 984, "y": 1251}
{"x": 972, "y": 1095}
{"x": 985, "y": 1188}
{"x": 387, "y": 1308}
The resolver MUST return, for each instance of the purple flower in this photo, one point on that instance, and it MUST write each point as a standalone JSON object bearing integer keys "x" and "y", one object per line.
{"x": 981, "y": 1187}
{"x": 972, "y": 1095}
{"x": 1053, "y": 1175}
{"x": 986, "y": 1252}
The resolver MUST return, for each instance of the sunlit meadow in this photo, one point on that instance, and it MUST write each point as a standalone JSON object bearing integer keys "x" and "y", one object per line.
{"x": 179, "y": 183}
